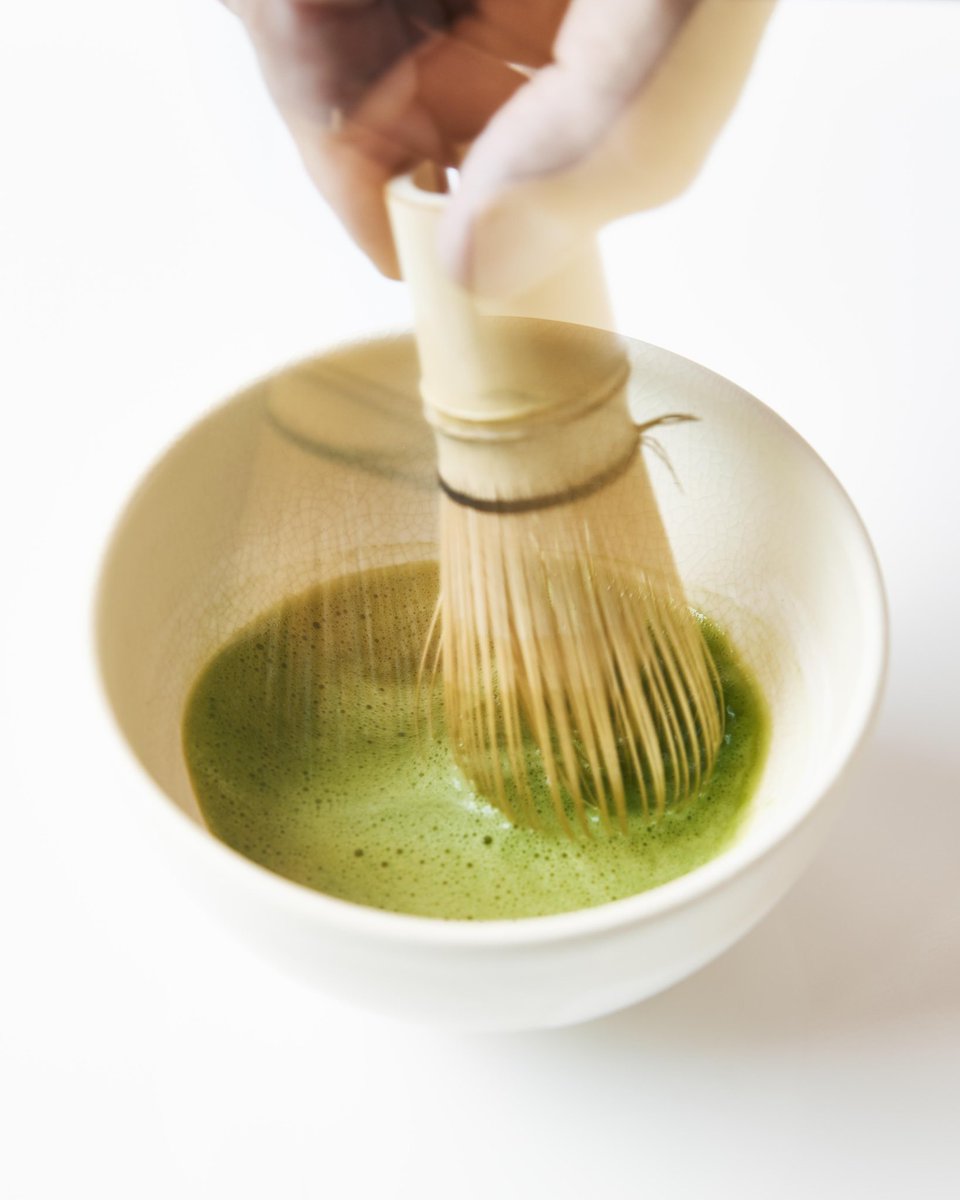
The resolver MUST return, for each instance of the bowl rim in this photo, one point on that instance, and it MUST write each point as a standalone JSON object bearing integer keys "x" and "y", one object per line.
{"x": 507, "y": 933}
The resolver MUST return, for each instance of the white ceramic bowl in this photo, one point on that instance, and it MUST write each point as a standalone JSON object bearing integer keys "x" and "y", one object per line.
{"x": 328, "y": 467}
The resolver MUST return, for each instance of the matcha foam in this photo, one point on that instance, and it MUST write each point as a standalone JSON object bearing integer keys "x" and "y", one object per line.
{"x": 305, "y": 753}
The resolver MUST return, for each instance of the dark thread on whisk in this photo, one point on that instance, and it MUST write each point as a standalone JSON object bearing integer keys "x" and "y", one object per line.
{"x": 552, "y": 500}
{"x": 569, "y": 495}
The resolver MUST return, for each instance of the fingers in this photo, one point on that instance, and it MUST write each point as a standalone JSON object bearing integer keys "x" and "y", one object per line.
{"x": 604, "y": 53}
{"x": 389, "y": 133}
{"x": 370, "y": 90}
{"x": 318, "y": 58}
{"x": 343, "y": 74}
{"x": 340, "y": 74}
{"x": 461, "y": 83}
{"x": 510, "y": 31}
{"x": 369, "y": 87}
{"x": 423, "y": 108}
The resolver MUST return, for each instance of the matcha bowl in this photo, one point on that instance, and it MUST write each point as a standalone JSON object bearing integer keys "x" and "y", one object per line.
{"x": 326, "y": 470}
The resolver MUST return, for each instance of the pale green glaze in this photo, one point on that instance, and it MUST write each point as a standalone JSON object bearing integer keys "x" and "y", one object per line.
{"x": 302, "y": 747}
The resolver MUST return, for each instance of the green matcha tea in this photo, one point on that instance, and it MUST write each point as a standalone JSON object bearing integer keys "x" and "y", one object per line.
{"x": 307, "y": 755}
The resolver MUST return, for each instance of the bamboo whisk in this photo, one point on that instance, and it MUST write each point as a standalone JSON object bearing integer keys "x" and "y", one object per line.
{"x": 569, "y": 657}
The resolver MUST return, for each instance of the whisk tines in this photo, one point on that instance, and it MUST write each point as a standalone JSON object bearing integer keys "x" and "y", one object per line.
{"x": 576, "y": 681}
{"x": 567, "y": 675}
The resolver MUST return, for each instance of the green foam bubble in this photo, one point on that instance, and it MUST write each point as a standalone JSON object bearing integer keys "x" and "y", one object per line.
{"x": 305, "y": 756}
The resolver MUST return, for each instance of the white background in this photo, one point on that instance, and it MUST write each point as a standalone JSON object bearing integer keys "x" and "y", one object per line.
{"x": 159, "y": 246}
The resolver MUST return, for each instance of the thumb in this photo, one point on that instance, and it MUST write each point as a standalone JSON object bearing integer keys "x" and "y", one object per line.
{"x": 509, "y": 221}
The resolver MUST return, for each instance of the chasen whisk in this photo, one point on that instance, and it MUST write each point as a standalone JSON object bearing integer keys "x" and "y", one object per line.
{"x": 570, "y": 659}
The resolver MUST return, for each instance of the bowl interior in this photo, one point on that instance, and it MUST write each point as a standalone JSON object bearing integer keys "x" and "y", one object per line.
{"x": 328, "y": 468}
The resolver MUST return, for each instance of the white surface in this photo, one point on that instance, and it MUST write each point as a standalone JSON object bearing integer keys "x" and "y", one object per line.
{"x": 158, "y": 246}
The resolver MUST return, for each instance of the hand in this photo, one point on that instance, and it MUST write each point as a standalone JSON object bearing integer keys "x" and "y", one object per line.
{"x": 369, "y": 88}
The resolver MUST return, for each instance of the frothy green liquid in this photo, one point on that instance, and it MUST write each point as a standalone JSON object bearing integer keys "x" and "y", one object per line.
{"x": 305, "y": 755}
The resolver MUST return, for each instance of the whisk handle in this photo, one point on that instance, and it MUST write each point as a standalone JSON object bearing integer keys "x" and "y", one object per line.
{"x": 471, "y": 369}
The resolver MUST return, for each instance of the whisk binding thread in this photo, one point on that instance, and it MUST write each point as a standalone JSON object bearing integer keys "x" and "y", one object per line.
{"x": 528, "y": 504}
